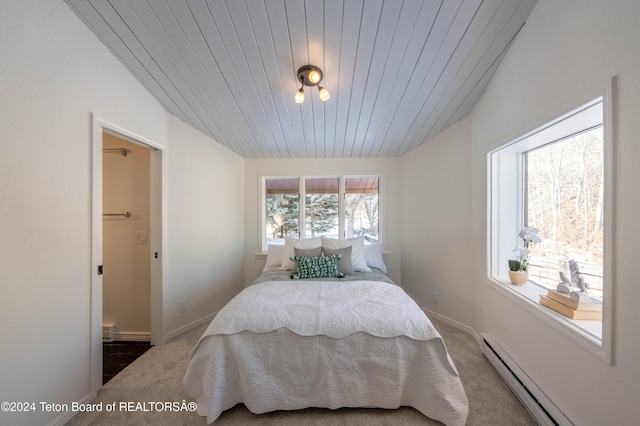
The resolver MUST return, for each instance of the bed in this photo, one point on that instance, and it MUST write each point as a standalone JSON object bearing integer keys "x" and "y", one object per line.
{"x": 354, "y": 341}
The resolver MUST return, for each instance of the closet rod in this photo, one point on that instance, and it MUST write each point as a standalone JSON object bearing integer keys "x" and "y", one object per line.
{"x": 123, "y": 151}
{"x": 125, "y": 214}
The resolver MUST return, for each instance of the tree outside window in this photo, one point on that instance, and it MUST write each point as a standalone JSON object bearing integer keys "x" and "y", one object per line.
{"x": 361, "y": 208}
{"x": 565, "y": 201}
{"x": 321, "y": 207}
{"x": 324, "y": 202}
{"x": 282, "y": 209}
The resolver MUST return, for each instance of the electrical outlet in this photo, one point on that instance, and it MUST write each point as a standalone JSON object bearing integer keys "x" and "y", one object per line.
{"x": 182, "y": 306}
{"x": 434, "y": 297}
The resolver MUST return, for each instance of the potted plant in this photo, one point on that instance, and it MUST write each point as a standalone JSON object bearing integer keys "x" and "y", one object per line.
{"x": 518, "y": 273}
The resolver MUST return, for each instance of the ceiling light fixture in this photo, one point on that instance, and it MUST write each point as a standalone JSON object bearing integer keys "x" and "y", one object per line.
{"x": 310, "y": 75}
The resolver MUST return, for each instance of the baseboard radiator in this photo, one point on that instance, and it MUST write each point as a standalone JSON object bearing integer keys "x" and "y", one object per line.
{"x": 536, "y": 402}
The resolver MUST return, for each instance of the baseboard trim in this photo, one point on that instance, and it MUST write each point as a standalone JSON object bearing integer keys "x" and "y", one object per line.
{"x": 65, "y": 417}
{"x": 455, "y": 324}
{"x": 132, "y": 336}
{"x": 190, "y": 326}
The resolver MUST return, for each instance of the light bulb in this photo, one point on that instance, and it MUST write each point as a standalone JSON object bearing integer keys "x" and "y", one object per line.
{"x": 324, "y": 94}
{"x": 300, "y": 96}
{"x": 314, "y": 77}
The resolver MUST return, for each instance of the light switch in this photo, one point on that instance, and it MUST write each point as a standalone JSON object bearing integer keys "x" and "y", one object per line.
{"x": 141, "y": 237}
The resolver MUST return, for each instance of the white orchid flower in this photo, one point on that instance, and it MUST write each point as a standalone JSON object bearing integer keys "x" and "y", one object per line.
{"x": 530, "y": 235}
{"x": 522, "y": 252}
{"x": 534, "y": 239}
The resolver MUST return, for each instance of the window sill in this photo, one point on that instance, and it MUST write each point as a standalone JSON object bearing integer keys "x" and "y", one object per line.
{"x": 588, "y": 334}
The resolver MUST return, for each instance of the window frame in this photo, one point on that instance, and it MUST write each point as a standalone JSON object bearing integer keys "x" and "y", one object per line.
{"x": 506, "y": 204}
{"x": 262, "y": 243}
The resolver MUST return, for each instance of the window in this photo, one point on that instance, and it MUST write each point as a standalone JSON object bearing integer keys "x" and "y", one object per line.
{"x": 555, "y": 178}
{"x": 321, "y": 207}
{"x": 336, "y": 207}
{"x": 565, "y": 201}
{"x": 361, "y": 205}
{"x": 281, "y": 201}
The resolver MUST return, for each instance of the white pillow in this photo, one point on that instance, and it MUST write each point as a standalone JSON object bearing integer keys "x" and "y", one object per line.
{"x": 289, "y": 243}
{"x": 358, "y": 260}
{"x": 274, "y": 256}
{"x": 375, "y": 258}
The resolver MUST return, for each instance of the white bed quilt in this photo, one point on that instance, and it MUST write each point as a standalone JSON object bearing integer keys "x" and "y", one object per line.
{"x": 290, "y": 345}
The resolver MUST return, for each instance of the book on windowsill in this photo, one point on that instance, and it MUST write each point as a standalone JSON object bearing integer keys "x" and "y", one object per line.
{"x": 573, "y": 304}
{"x": 567, "y": 311}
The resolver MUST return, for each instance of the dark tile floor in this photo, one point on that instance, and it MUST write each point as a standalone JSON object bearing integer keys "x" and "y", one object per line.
{"x": 117, "y": 355}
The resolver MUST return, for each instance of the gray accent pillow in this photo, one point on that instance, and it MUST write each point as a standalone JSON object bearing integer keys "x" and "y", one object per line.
{"x": 314, "y": 252}
{"x": 344, "y": 264}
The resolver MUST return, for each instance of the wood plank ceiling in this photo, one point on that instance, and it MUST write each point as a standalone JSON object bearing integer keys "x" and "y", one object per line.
{"x": 398, "y": 71}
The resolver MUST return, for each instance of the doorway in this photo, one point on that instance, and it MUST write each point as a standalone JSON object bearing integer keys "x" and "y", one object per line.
{"x": 127, "y": 241}
{"x": 126, "y": 282}
{"x": 126, "y": 285}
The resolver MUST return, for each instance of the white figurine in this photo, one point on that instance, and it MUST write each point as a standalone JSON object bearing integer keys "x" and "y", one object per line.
{"x": 566, "y": 286}
{"x": 581, "y": 295}
{"x": 583, "y": 285}
{"x": 574, "y": 270}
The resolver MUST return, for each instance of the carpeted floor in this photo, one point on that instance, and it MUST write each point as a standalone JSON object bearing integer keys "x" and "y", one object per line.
{"x": 117, "y": 355}
{"x": 157, "y": 377}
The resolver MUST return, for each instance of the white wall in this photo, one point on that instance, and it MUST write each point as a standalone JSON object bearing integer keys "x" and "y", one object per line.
{"x": 54, "y": 74}
{"x": 564, "y": 55}
{"x": 126, "y": 294}
{"x": 436, "y": 224}
{"x": 206, "y": 226}
{"x": 390, "y": 198}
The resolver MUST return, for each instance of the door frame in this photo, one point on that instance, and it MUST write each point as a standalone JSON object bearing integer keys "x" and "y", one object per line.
{"x": 157, "y": 240}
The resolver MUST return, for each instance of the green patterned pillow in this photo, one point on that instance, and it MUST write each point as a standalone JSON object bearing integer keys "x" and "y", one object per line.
{"x": 317, "y": 267}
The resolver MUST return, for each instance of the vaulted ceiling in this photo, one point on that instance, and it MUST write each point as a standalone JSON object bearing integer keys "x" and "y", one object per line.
{"x": 398, "y": 71}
